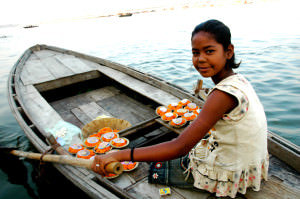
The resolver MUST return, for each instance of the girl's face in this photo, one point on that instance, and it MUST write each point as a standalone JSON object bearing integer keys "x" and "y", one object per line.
{"x": 209, "y": 57}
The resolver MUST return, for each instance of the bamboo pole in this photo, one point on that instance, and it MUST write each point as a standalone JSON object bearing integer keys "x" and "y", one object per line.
{"x": 113, "y": 167}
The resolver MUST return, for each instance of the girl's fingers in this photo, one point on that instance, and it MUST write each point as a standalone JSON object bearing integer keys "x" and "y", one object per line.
{"x": 98, "y": 166}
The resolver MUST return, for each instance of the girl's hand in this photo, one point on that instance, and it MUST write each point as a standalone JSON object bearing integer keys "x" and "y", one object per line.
{"x": 101, "y": 161}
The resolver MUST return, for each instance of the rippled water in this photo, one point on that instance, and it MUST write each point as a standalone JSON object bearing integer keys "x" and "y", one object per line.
{"x": 268, "y": 44}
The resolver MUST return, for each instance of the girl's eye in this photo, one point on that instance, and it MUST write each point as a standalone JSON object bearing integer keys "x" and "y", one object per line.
{"x": 195, "y": 53}
{"x": 209, "y": 51}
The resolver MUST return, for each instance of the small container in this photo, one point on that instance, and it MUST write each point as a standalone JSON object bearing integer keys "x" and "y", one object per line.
{"x": 107, "y": 137}
{"x": 74, "y": 148}
{"x": 178, "y": 122}
{"x": 169, "y": 116}
{"x": 189, "y": 116}
{"x": 91, "y": 142}
{"x": 162, "y": 110}
{"x": 119, "y": 142}
{"x": 191, "y": 106}
{"x": 85, "y": 154}
{"x": 102, "y": 147}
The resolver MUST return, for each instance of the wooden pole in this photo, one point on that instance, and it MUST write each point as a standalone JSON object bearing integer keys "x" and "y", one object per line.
{"x": 114, "y": 167}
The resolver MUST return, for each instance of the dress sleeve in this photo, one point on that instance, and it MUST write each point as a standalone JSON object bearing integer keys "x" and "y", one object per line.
{"x": 240, "y": 111}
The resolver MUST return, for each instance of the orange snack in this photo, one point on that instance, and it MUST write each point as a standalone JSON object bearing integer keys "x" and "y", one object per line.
{"x": 91, "y": 141}
{"x": 178, "y": 122}
{"x": 184, "y": 102}
{"x": 169, "y": 116}
{"x": 162, "y": 110}
{"x": 107, "y": 137}
{"x": 116, "y": 130}
{"x": 111, "y": 175}
{"x": 104, "y": 130}
{"x": 189, "y": 116}
{"x": 119, "y": 142}
{"x": 102, "y": 147}
{"x": 191, "y": 106}
{"x": 128, "y": 165}
{"x": 85, "y": 154}
{"x": 74, "y": 148}
{"x": 181, "y": 111}
{"x": 94, "y": 135}
{"x": 174, "y": 106}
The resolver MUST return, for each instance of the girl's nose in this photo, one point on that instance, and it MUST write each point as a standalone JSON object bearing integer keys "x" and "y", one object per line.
{"x": 201, "y": 58}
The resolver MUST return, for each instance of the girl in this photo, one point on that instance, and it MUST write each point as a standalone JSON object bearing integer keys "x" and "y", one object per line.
{"x": 235, "y": 156}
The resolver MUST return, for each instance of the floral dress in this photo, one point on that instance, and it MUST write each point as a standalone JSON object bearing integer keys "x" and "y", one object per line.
{"x": 235, "y": 156}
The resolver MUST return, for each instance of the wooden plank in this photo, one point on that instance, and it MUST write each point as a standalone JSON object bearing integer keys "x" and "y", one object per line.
{"x": 273, "y": 188}
{"x": 43, "y": 53}
{"x": 102, "y": 93}
{"x": 156, "y": 94}
{"x": 93, "y": 189}
{"x": 57, "y": 69}
{"x": 66, "y": 81}
{"x": 196, "y": 194}
{"x": 73, "y": 63}
{"x": 124, "y": 107}
{"x": 81, "y": 116}
{"x": 38, "y": 109}
{"x": 71, "y": 118}
{"x": 93, "y": 110}
{"x": 34, "y": 72}
{"x": 284, "y": 150}
{"x": 140, "y": 172}
{"x": 143, "y": 189}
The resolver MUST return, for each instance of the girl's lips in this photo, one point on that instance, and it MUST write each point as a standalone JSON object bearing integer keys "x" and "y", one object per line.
{"x": 203, "y": 69}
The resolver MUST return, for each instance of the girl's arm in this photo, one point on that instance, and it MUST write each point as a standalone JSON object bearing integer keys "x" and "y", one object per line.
{"x": 217, "y": 104}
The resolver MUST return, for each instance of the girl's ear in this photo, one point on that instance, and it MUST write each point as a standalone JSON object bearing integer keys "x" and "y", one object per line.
{"x": 230, "y": 51}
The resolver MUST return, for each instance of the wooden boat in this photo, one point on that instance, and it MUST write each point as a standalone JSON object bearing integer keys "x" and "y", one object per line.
{"x": 49, "y": 84}
{"x": 30, "y": 26}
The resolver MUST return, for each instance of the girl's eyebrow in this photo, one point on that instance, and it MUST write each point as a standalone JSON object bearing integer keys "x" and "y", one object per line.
{"x": 210, "y": 46}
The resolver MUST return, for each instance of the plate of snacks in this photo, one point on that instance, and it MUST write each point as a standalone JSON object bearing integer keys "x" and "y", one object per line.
{"x": 107, "y": 137}
{"x": 191, "y": 106}
{"x": 162, "y": 110}
{"x": 91, "y": 142}
{"x": 189, "y": 116}
{"x": 119, "y": 142}
{"x": 184, "y": 102}
{"x": 85, "y": 154}
{"x": 129, "y": 166}
{"x": 102, "y": 147}
{"x": 169, "y": 116}
{"x": 178, "y": 122}
{"x": 74, "y": 148}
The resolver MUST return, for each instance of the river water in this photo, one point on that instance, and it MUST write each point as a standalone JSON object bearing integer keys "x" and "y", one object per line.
{"x": 266, "y": 39}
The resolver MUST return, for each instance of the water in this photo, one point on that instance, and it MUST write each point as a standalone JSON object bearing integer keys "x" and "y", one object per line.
{"x": 158, "y": 43}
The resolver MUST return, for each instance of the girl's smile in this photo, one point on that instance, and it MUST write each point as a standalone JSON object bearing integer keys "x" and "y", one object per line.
{"x": 209, "y": 57}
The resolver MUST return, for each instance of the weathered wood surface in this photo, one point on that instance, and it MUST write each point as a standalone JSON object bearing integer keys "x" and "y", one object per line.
{"x": 36, "y": 72}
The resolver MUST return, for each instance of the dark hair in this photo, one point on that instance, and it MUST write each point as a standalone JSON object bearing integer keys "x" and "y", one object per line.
{"x": 221, "y": 34}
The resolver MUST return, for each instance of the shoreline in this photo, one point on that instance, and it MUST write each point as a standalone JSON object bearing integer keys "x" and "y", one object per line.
{"x": 177, "y": 6}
